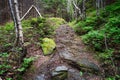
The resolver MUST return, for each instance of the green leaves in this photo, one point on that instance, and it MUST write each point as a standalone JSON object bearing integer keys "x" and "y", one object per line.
{"x": 81, "y": 73}
{"x": 95, "y": 39}
{"x": 4, "y": 66}
{"x": 26, "y": 63}
{"x": 5, "y": 55}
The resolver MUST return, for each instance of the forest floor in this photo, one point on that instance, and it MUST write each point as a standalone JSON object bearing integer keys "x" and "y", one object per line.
{"x": 71, "y": 60}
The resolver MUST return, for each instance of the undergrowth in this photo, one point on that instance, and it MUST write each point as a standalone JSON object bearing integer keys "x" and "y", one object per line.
{"x": 34, "y": 30}
{"x": 103, "y": 35}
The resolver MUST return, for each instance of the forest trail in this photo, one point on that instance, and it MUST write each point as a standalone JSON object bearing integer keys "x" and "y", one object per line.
{"x": 70, "y": 61}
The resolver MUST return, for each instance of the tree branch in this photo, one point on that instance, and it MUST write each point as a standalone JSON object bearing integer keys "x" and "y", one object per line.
{"x": 30, "y": 10}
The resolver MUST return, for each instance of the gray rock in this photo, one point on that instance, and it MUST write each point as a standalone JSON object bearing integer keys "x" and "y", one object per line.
{"x": 87, "y": 64}
{"x": 66, "y": 55}
{"x": 58, "y": 70}
{"x": 83, "y": 63}
{"x": 55, "y": 73}
{"x": 40, "y": 77}
{"x": 74, "y": 75}
{"x": 61, "y": 68}
{"x": 60, "y": 73}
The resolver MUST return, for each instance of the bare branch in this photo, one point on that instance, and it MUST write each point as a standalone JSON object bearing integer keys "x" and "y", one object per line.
{"x": 32, "y": 6}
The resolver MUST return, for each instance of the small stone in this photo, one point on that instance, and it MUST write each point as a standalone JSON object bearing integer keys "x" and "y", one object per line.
{"x": 74, "y": 75}
{"x": 66, "y": 55}
{"x": 41, "y": 77}
{"x": 61, "y": 68}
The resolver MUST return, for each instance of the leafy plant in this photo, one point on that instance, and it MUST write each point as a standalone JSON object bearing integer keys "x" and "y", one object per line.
{"x": 26, "y": 63}
{"x": 9, "y": 26}
{"x": 9, "y": 79}
{"x": 4, "y": 65}
{"x": 110, "y": 78}
{"x": 95, "y": 39}
{"x": 106, "y": 57}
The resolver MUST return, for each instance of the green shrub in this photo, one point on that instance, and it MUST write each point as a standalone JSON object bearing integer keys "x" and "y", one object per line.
{"x": 9, "y": 26}
{"x": 114, "y": 8}
{"x": 106, "y": 56}
{"x": 94, "y": 39}
{"x": 41, "y": 27}
{"x": 55, "y": 22}
{"x": 91, "y": 23}
{"x": 26, "y": 63}
{"x": 112, "y": 30}
{"x": 81, "y": 28}
{"x": 4, "y": 65}
{"x": 94, "y": 29}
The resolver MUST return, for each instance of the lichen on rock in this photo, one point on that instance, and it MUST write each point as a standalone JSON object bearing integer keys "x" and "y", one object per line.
{"x": 48, "y": 45}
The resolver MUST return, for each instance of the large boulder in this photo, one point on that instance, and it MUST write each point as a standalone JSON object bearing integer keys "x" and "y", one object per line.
{"x": 85, "y": 64}
{"x": 81, "y": 63}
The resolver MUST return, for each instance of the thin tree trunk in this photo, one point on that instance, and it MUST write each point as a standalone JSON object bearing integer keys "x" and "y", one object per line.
{"x": 84, "y": 9}
{"x": 104, "y": 4}
{"x": 13, "y": 17}
{"x": 98, "y": 7}
{"x": 101, "y": 2}
{"x": 79, "y": 10}
{"x": 19, "y": 26}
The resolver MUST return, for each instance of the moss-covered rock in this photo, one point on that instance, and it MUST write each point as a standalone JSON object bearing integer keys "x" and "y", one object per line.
{"x": 48, "y": 45}
{"x": 60, "y": 76}
{"x": 55, "y": 22}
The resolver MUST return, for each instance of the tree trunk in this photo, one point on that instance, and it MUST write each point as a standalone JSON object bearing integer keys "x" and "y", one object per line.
{"x": 77, "y": 8}
{"x": 84, "y": 9}
{"x": 98, "y": 7}
{"x": 13, "y": 17}
{"x": 19, "y": 37}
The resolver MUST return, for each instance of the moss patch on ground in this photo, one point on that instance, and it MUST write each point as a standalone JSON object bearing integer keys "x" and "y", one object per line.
{"x": 48, "y": 45}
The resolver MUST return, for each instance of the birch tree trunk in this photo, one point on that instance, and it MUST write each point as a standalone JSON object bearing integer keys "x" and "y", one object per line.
{"x": 70, "y": 8}
{"x": 101, "y": 2}
{"x": 19, "y": 37}
{"x": 13, "y": 16}
{"x": 84, "y": 9}
{"x": 98, "y": 7}
{"x": 77, "y": 8}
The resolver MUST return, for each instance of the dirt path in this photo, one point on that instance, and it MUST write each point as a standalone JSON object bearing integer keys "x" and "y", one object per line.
{"x": 70, "y": 57}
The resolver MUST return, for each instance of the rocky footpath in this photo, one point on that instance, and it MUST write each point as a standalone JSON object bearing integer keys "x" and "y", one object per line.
{"x": 70, "y": 60}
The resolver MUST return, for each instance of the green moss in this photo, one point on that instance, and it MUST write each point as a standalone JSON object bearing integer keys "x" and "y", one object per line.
{"x": 48, "y": 46}
{"x": 9, "y": 26}
{"x": 72, "y": 24}
{"x": 55, "y": 22}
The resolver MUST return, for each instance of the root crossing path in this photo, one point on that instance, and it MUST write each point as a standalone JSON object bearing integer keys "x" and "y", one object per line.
{"x": 70, "y": 61}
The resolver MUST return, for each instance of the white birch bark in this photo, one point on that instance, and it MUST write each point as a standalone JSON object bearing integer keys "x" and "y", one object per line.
{"x": 84, "y": 9}
{"x": 20, "y": 39}
{"x": 13, "y": 16}
{"x": 77, "y": 8}
{"x": 98, "y": 7}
